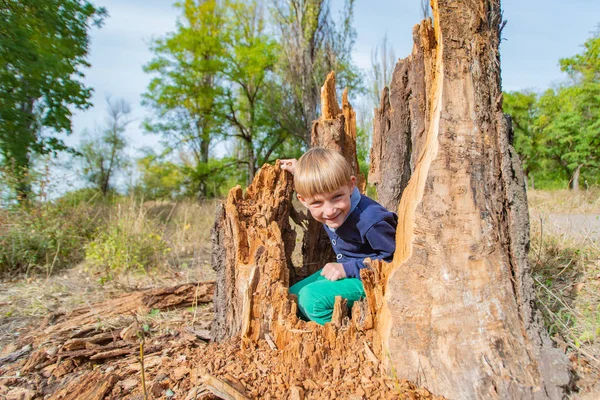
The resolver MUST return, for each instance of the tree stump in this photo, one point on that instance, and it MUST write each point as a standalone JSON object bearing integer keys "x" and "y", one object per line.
{"x": 454, "y": 311}
{"x": 458, "y": 314}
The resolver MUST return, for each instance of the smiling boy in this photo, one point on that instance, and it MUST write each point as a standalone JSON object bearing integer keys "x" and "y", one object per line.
{"x": 358, "y": 228}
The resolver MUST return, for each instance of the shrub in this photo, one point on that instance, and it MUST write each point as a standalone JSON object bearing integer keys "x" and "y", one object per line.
{"x": 130, "y": 241}
{"x": 45, "y": 238}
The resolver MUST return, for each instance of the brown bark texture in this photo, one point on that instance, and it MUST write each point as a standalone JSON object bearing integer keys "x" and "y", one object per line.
{"x": 458, "y": 314}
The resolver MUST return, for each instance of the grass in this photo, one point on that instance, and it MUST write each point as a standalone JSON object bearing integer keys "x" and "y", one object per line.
{"x": 565, "y": 201}
{"x": 566, "y": 271}
{"x": 39, "y": 290}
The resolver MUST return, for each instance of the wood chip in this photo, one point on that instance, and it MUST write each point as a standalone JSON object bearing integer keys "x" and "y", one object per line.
{"x": 222, "y": 389}
{"x": 370, "y": 355}
{"x": 16, "y": 355}
{"x": 270, "y": 342}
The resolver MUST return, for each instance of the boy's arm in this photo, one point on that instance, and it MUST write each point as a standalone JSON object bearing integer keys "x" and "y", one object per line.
{"x": 382, "y": 238}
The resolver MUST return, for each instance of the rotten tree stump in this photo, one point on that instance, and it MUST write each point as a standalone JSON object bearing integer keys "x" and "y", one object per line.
{"x": 458, "y": 313}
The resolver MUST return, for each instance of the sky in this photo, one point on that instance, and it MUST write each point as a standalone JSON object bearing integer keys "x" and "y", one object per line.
{"x": 538, "y": 33}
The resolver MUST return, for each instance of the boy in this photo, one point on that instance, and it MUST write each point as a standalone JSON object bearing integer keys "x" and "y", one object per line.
{"x": 358, "y": 227}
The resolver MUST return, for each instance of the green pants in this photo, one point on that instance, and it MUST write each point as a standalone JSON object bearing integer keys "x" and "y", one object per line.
{"x": 316, "y": 295}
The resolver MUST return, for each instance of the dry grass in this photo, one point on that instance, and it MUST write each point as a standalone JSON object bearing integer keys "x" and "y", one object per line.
{"x": 565, "y": 262}
{"x": 185, "y": 226}
{"x": 565, "y": 201}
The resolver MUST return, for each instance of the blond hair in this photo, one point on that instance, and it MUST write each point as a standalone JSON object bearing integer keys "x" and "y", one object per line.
{"x": 321, "y": 171}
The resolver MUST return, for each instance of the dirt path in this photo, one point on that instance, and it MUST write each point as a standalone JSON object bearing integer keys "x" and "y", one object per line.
{"x": 580, "y": 226}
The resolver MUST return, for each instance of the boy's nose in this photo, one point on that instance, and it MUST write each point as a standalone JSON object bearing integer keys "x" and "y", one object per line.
{"x": 329, "y": 211}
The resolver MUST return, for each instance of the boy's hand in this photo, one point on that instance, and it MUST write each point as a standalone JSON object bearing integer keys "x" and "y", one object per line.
{"x": 333, "y": 271}
{"x": 289, "y": 165}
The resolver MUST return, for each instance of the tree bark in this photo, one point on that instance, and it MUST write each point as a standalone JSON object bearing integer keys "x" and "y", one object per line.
{"x": 575, "y": 178}
{"x": 252, "y": 246}
{"x": 458, "y": 314}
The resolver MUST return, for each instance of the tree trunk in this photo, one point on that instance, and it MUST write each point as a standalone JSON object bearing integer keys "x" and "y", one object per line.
{"x": 458, "y": 314}
{"x": 252, "y": 246}
{"x": 575, "y": 178}
{"x": 251, "y": 159}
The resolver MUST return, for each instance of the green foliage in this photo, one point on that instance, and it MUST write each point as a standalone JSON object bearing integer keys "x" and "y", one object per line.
{"x": 522, "y": 107}
{"x": 185, "y": 89}
{"x": 250, "y": 57}
{"x": 214, "y": 81}
{"x": 103, "y": 156}
{"x": 557, "y": 134}
{"x": 159, "y": 179}
{"x": 89, "y": 196}
{"x": 43, "y": 46}
{"x": 45, "y": 238}
{"x": 129, "y": 242}
{"x": 217, "y": 176}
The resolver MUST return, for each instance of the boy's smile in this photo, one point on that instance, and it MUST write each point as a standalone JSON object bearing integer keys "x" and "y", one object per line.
{"x": 330, "y": 208}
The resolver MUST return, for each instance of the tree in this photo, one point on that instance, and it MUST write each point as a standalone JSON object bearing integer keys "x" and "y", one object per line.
{"x": 312, "y": 45}
{"x": 459, "y": 313}
{"x": 43, "y": 48}
{"x": 528, "y": 139}
{"x": 159, "y": 179}
{"x": 383, "y": 61}
{"x": 248, "y": 65}
{"x": 186, "y": 90}
{"x": 104, "y": 155}
{"x": 575, "y": 131}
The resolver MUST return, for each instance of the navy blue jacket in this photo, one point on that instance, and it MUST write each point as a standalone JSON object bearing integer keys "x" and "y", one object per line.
{"x": 368, "y": 232}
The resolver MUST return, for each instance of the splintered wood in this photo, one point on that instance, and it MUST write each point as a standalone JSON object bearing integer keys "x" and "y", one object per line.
{"x": 273, "y": 350}
{"x": 93, "y": 352}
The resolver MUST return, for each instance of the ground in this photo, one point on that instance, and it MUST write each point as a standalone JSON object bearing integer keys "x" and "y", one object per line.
{"x": 567, "y": 289}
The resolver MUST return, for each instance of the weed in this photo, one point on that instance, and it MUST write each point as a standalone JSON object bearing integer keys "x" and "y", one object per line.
{"x": 45, "y": 238}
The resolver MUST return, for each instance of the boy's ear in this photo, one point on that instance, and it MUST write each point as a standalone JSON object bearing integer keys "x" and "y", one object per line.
{"x": 302, "y": 200}
{"x": 352, "y": 181}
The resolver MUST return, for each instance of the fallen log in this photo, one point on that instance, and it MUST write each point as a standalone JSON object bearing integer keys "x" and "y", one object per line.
{"x": 66, "y": 349}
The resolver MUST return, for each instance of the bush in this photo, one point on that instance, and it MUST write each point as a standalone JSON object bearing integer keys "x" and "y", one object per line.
{"x": 46, "y": 238}
{"x": 130, "y": 241}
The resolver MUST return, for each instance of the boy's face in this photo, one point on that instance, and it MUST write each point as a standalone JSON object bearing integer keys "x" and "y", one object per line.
{"x": 330, "y": 208}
